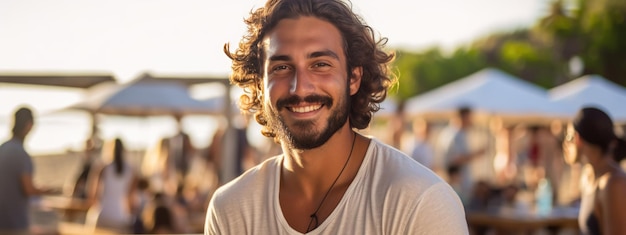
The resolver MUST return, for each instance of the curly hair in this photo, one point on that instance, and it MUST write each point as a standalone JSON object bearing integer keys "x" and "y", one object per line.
{"x": 360, "y": 46}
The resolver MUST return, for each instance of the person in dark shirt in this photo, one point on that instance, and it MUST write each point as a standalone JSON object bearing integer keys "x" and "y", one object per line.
{"x": 16, "y": 177}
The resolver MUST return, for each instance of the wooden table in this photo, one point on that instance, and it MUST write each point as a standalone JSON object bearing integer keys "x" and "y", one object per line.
{"x": 77, "y": 228}
{"x": 64, "y": 203}
{"x": 525, "y": 223}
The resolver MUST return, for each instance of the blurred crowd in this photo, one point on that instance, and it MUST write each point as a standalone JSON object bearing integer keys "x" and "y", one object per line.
{"x": 495, "y": 167}
{"x": 523, "y": 168}
{"x": 166, "y": 192}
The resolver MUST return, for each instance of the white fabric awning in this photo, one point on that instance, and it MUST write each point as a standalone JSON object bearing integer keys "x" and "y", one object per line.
{"x": 592, "y": 90}
{"x": 144, "y": 97}
{"x": 489, "y": 91}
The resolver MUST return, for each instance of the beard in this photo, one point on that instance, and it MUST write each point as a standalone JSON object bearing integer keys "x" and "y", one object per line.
{"x": 303, "y": 134}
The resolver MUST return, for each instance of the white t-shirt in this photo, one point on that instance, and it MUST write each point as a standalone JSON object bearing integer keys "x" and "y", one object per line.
{"x": 391, "y": 194}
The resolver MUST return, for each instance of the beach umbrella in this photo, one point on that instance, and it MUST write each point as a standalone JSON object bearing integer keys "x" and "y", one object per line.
{"x": 592, "y": 90}
{"x": 143, "y": 98}
{"x": 488, "y": 91}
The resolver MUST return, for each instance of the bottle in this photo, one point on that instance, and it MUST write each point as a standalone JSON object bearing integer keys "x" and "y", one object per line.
{"x": 543, "y": 197}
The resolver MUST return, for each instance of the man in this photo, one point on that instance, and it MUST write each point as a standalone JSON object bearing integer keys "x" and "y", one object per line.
{"x": 16, "y": 172}
{"x": 422, "y": 151}
{"x": 181, "y": 152}
{"x": 456, "y": 152}
{"x": 314, "y": 73}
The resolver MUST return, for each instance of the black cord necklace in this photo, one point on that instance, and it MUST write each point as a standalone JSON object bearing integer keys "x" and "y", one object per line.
{"x": 314, "y": 220}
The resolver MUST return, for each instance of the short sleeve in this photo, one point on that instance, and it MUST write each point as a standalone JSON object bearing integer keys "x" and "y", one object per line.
{"x": 211, "y": 224}
{"x": 439, "y": 211}
{"x": 24, "y": 162}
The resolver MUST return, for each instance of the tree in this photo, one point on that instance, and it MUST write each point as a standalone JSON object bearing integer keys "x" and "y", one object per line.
{"x": 560, "y": 31}
{"x": 424, "y": 71}
{"x": 595, "y": 31}
{"x": 603, "y": 23}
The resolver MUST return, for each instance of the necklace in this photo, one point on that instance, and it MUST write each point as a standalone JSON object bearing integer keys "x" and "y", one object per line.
{"x": 314, "y": 220}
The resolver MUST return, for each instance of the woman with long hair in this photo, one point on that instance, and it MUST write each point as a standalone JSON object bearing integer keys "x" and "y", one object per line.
{"x": 602, "y": 210}
{"x": 111, "y": 191}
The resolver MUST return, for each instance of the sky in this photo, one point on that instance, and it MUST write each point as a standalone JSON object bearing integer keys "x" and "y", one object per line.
{"x": 128, "y": 37}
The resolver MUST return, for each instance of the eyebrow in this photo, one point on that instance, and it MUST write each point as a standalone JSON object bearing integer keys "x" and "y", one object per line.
{"x": 312, "y": 55}
{"x": 324, "y": 53}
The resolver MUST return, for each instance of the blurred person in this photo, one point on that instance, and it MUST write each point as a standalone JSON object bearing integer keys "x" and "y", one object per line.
{"x": 504, "y": 160}
{"x": 79, "y": 188}
{"x": 397, "y": 126}
{"x": 422, "y": 151}
{"x": 91, "y": 158}
{"x": 481, "y": 196}
{"x": 453, "y": 144}
{"x": 572, "y": 178}
{"x": 508, "y": 197}
{"x": 313, "y": 74}
{"x": 16, "y": 177}
{"x": 181, "y": 152}
{"x": 156, "y": 166}
{"x": 479, "y": 202}
{"x": 454, "y": 179}
{"x": 602, "y": 210}
{"x": 162, "y": 221}
{"x": 142, "y": 196}
{"x": 214, "y": 153}
{"x": 245, "y": 155}
{"x": 163, "y": 216}
{"x": 111, "y": 191}
{"x": 539, "y": 157}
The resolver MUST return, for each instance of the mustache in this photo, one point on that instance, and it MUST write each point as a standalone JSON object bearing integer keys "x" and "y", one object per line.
{"x": 294, "y": 100}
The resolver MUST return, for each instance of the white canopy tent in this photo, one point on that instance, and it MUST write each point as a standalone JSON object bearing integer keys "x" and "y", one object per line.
{"x": 592, "y": 90}
{"x": 388, "y": 108}
{"x": 488, "y": 91}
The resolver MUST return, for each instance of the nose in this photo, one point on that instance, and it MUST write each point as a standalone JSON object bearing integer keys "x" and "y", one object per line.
{"x": 302, "y": 83}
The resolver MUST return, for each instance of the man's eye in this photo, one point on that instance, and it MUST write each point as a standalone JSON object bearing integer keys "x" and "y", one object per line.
{"x": 320, "y": 64}
{"x": 280, "y": 68}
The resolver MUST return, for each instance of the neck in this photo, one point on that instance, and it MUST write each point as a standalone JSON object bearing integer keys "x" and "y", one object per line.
{"x": 314, "y": 181}
{"x": 309, "y": 171}
{"x": 600, "y": 162}
{"x": 19, "y": 137}
{"x": 605, "y": 167}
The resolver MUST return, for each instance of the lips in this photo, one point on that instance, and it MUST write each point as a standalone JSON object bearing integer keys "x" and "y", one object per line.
{"x": 305, "y": 109}
{"x": 303, "y": 105}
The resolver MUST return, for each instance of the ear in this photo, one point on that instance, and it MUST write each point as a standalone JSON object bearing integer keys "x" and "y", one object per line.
{"x": 355, "y": 80}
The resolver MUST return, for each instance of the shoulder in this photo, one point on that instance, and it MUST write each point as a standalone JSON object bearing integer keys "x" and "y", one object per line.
{"x": 424, "y": 198}
{"x": 14, "y": 152}
{"x": 615, "y": 187}
{"x": 13, "y": 146}
{"x": 241, "y": 199}
{"x": 394, "y": 171}
{"x": 438, "y": 210}
{"x": 404, "y": 167}
{"x": 251, "y": 182}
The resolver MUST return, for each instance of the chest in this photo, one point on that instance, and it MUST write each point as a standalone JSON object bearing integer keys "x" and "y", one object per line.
{"x": 305, "y": 214}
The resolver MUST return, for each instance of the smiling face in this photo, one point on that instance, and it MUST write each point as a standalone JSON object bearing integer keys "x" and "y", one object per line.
{"x": 306, "y": 84}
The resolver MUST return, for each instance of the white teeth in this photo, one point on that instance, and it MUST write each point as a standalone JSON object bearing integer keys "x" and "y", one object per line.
{"x": 305, "y": 109}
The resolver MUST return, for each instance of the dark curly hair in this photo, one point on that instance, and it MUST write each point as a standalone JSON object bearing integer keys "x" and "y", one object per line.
{"x": 361, "y": 48}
